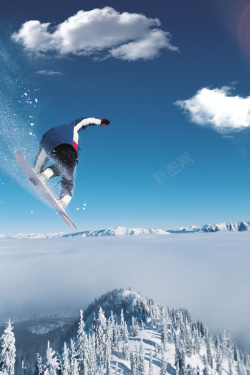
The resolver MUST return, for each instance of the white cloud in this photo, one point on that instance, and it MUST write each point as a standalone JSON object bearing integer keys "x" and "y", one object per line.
{"x": 127, "y": 36}
{"x": 146, "y": 48}
{"x": 219, "y": 109}
{"x": 49, "y": 72}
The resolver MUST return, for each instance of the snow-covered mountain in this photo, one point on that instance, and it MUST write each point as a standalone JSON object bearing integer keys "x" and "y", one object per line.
{"x": 231, "y": 226}
{"x": 122, "y": 231}
{"x": 125, "y": 333}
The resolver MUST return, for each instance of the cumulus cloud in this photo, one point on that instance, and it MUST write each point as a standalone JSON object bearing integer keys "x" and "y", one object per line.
{"x": 99, "y": 32}
{"x": 49, "y": 72}
{"x": 218, "y": 108}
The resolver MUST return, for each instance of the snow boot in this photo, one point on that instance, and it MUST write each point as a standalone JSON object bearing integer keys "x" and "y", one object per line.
{"x": 47, "y": 174}
{"x": 64, "y": 201}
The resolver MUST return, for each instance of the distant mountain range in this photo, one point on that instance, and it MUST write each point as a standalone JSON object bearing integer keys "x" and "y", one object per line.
{"x": 122, "y": 231}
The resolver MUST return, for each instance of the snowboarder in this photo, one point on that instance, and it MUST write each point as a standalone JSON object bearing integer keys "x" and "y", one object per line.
{"x": 60, "y": 144}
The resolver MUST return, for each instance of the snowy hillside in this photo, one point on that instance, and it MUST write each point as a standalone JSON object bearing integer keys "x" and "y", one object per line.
{"x": 122, "y": 231}
{"x": 124, "y": 333}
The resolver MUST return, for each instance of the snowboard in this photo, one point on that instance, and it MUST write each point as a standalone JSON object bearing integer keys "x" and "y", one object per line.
{"x": 41, "y": 187}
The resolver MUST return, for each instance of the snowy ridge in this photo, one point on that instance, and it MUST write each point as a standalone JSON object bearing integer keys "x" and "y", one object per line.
{"x": 122, "y": 231}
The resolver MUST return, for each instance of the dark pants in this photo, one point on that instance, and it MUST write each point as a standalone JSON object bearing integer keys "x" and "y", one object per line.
{"x": 65, "y": 159}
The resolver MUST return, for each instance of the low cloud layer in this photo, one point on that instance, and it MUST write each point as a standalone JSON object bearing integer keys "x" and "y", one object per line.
{"x": 218, "y": 109}
{"x": 100, "y": 33}
{"x": 208, "y": 273}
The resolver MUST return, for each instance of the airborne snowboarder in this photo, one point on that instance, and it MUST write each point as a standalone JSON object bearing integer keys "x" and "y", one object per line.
{"x": 60, "y": 144}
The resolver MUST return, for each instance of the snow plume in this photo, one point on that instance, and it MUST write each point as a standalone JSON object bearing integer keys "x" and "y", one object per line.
{"x": 219, "y": 109}
{"x": 18, "y": 108}
{"x": 126, "y": 36}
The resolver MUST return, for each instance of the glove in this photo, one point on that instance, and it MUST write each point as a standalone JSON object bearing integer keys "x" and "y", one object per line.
{"x": 104, "y": 121}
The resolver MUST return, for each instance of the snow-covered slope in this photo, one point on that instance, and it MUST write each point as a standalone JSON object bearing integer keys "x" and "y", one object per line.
{"x": 122, "y": 231}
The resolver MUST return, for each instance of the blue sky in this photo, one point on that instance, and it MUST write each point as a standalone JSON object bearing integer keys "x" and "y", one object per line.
{"x": 177, "y": 150}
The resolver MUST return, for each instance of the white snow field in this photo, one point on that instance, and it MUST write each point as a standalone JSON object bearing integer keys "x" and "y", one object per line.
{"x": 207, "y": 273}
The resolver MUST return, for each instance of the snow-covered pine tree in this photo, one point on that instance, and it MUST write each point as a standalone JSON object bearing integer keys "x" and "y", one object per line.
{"x": 218, "y": 362}
{"x": 189, "y": 341}
{"x": 163, "y": 364}
{"x": 93, "y": 325}
{"x": 155, "y": 315}
{"x": 82, "y": 346}
{"x": 141, "y": 366}
{"x": 52, "y": 363}
{"x": 65, "y": 360}
{"x": 133, "y": 363}
{"x": 197, "y": 341}
{"x": 126, "y": 353}
{"x": 108, "y": 348}
{"x": 236, "y": 352}
{"x": 108, "y": 367}
{"x": 137, "y": 358}
{"x": 142, "y": 325}
{"x": 111, "y": 328}
{"x": 73, "y": 359}
{"x": 115, "y": 345}
{"x": 92, "y": 355}
{"x": 39, "y": 365}
{"x": 135, "y": 326}
{"x": 180, "y": 361}
{"x": 164, "y": 336}
{"x": 209, "y": 353}
{"x": 122, "y": 325}
{"x": 8, "y": 355}
{"x": 100, "y": 337}
{"x": 201, "y": 328}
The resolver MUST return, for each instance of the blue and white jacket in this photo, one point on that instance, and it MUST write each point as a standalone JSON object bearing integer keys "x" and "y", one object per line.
{"x": 62, "y": 134}
{"x": 66, "y": 134}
